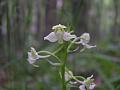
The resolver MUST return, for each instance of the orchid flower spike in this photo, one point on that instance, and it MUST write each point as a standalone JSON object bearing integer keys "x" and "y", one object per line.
{"x": 33, "y": 56}
{"x": 59, "y": 34}
{"x": 84, "y": 40}
{"x": 87, "y": 84}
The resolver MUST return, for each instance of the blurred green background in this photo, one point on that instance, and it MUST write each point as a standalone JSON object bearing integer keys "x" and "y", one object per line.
{"x": 24, "y": 23}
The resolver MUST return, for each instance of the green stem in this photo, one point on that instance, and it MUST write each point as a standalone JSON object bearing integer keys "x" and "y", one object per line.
{"x": 63, "y": 76}
{"x": 63, "y": 57}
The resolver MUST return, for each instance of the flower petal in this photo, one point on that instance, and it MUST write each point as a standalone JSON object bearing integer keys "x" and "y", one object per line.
{"x": 51, "y": 37}
{"x": 82, "y": 87}
{"x": 67, "y": 36}
{"x": 68, "y": 75}
{"x": 89, "y": 46}
{"x": 30, "y": 59}
{"x": 59, "y": 26}
{"x": 85, "y": 37}
{"x": 34, "y": 54}
{"x": 90, "y": 77}
{"x": 92, "y": 86}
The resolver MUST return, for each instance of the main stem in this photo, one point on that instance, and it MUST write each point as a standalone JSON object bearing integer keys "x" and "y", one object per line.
{"x": 64, "y": 59}
{"x": 63, "y": 75}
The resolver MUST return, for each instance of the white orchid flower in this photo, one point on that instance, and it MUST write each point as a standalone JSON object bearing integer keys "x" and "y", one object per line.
{"x": 84, "y": 40}
{"x": 59, "y": 34}
{"x": 87, "y": 84}
{"x": 33, "y": 56}
{"x": 68, "y": 75}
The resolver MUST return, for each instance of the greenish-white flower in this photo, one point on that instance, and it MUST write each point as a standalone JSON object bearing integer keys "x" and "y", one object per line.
{"x": 68, "y": 75}
{"x": 33, "y": 56}
{"x": 84, "y": 40}
{"x": 59, "y": 34}
{"x": 88, "y": 84}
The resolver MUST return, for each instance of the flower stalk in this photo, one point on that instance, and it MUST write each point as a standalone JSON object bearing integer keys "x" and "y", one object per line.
{"x": 63, "y": 56}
